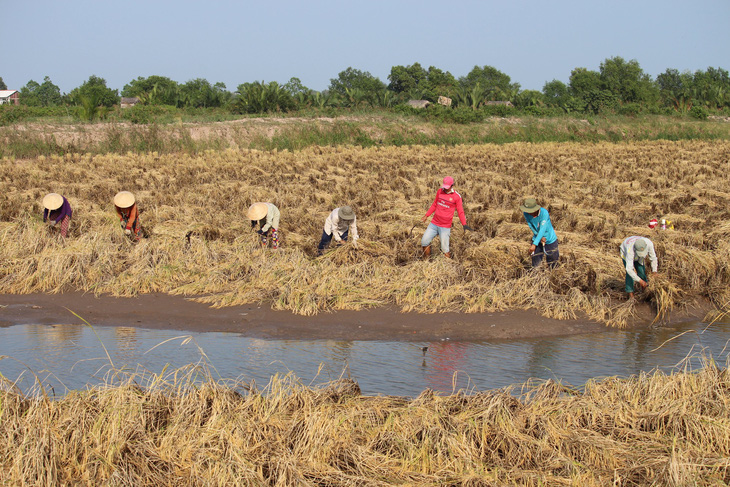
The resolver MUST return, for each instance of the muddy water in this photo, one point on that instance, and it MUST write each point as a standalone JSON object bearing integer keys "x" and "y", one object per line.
{"x": 72, "y": 356}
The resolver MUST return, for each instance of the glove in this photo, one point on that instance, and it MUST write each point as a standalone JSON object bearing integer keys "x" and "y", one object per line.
{"x": 127, "y": 231}
{"x": 51, "y": 223}
{"x": 338, "y": 239}
{"x": 259, "y": 231}
{"x": 354, "y": 244}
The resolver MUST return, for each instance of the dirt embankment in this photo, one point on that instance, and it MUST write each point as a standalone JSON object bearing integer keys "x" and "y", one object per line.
{"x": 159, "y": 311}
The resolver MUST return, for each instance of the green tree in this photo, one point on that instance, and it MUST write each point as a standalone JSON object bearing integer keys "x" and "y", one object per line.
{"x": 153, "y": 90}
{"x": 415, "y": 82}
{"x": 356, "y": 79}
{"x": 627, "y": 81}
{"x": 494, "y": 82}
{"x": 260, "y": 97}
{"x": 585, "y": 87}
{"x": 41, "y": 95}
{"x": 676, "y": 89}
{"x": 712, "y": 87}
{"x": 95, "y": 90}
{"x": 199, "y": 93}
{"x": 529, "y": 98}
{"x": 3, "y": 86}
{"x": 556, "y": 94}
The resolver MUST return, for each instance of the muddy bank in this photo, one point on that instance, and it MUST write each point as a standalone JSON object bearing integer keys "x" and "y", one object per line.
{"x": 160, "y": 311}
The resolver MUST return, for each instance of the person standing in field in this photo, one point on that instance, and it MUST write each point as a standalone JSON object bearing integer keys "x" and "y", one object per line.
{"x": 634, "y": 250}
{"x": 544, "y": 242}
{"x": 126, "y": 207}
{"x": 447, "y": 201}
{"x": 267, "y": 216}
{"x": 340, "y": 224}
{"x": 57, "y": 212}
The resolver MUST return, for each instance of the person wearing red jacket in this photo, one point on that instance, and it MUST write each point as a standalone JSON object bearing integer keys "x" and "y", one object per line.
{"x": 447, "y": 201}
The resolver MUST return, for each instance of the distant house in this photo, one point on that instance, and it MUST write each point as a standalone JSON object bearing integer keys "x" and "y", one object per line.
{"x": 498, "y": 103}
{"x": 9, "y": 96}
{"x": 129, "y": 102}
{"x": 418, "y": 103}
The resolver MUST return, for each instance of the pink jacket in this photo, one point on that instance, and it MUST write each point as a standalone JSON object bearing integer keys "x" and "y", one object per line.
{"x": 444, "y": 206}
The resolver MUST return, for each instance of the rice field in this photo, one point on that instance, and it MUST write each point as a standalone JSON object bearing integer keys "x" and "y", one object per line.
{"x": 651, "y": 429}
{"x": 201, "y": 245}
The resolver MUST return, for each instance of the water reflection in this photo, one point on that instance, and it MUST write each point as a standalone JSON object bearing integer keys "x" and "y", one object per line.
{"x": 72, "y": 356}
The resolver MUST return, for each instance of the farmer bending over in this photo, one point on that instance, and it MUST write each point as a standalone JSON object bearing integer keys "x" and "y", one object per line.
{"x": 267, "y": 216}
{"x": 340, "y": 224}
{"x": 633, "y": 252}
{"x": 57, "y": 212}
{"x": 544, "y": 241}
{"x": 126, "y": 207}
{"x": 446, "y": 202}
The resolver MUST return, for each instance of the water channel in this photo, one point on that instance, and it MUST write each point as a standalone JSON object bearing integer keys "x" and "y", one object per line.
{"x": 67, "y": 357}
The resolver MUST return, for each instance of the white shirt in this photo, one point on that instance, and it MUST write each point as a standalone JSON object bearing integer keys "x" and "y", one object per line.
{"x": 336, "y": 227}
{"x": 627, "y": 253}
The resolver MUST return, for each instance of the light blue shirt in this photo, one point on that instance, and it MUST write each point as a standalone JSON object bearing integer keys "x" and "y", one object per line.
{"x": 541, "y": 226}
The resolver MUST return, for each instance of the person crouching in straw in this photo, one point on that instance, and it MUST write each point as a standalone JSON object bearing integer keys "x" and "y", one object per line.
{"x": 57, "y": 212}
{"x": 267, "y": 216}
{"x": 544, "y": 242}
{"x": 634, "y": 250}
{"x": 126, "y": 208}
{"x": 340, "y": 224}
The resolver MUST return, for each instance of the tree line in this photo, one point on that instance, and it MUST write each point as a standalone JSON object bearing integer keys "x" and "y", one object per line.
{"x": 619, "y": 86}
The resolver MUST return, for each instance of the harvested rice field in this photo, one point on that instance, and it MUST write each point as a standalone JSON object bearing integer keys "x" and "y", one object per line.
{"x": 201, "y": 245}
{"x": 653, "y": 429}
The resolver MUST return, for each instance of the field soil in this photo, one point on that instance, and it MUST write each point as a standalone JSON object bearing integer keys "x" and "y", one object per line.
{"x": 160, "y": 311}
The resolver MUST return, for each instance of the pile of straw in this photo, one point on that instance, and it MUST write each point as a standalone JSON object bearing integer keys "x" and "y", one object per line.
{"x": 654, "y": 429}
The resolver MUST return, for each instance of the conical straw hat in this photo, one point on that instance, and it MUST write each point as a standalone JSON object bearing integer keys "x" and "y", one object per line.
{"x": 257, "y": 211}
{"x": 52, "y": 201}
{"x": 124, "y": 199}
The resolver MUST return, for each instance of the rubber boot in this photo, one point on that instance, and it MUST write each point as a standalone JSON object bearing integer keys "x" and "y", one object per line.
{"x": 447, "y": 255}
{"x": 426, "y": 252}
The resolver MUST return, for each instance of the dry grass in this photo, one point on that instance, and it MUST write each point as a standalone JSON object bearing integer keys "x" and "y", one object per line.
{"x": 653, "y": 429}
{"x": 201, "y": 245}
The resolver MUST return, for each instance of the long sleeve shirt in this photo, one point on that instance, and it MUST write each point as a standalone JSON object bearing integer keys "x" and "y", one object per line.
{"x": 130, "y": 214}
{"x": 59, "y": 214}
{"x": 335, "y": 226}
{"x": 628, "y": 254}
{"x": 541, "y": 227}
{"x": 272, "y": 218}
{"x": 444, "y": 206}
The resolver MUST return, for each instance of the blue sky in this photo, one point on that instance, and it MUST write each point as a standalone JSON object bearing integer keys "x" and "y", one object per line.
{"x": 532, "y": 41}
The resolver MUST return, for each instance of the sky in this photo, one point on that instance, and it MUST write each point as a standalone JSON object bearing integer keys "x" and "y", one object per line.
{"x": 234, "y": 42}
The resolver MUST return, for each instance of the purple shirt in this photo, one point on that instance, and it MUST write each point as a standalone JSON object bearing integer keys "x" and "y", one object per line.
{"x": 59, "y": 214}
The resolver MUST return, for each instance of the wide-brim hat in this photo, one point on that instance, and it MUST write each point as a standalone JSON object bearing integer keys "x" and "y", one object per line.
{"x": 530, "y": 206}
{"x": 640, "y": 248}
{"x": 124, "y": 199}
{"x": 257, "y": 211}
{"x": 52, "y": 201}
{"x": 346, "y": 213}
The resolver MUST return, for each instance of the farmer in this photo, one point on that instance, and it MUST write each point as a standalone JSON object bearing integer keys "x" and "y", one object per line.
{"x": 446, "y": 202}
{"x": 633, "y": 252}
{"x": 57, "y": 212}
{"x": 544, "y": 241}
{"x": 340, "y": 224}
{"x": 267, "y": 216}
{"x": 126, "y": 208}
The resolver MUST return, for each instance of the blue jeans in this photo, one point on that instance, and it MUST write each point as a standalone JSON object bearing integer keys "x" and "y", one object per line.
{"x": 549, "y": 251}
{"x": 327, "y": 238}
{"x": 433, "y": 230}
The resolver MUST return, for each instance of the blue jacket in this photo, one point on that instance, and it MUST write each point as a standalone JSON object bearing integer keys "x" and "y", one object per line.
{"x": 541, "y": 226}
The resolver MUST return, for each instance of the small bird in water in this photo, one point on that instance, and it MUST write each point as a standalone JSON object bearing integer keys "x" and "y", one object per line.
{"x": 424, "y": 350}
